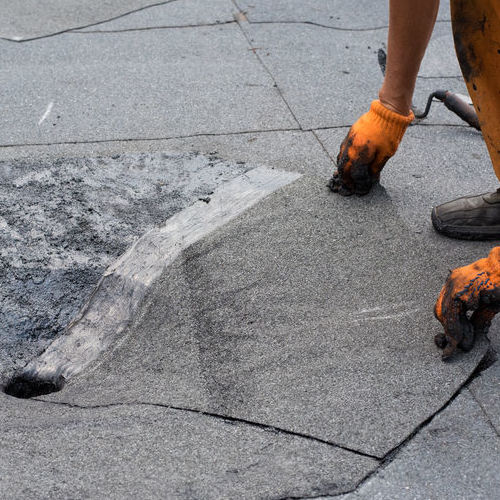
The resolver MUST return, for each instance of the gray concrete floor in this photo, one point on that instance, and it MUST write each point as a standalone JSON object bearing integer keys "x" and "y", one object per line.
{"x": 289, "y": 354}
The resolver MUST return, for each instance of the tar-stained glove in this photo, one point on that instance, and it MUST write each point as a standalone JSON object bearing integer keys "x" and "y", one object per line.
{"x": 370, "y": 142}
{"x": 474, "y": 288}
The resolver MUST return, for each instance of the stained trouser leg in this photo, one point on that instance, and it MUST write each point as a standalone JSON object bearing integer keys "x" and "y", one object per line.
{"x": 476, "y": 31}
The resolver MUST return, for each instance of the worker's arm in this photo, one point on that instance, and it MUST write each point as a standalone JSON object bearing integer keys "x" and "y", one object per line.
{"x": 410, "y": 29}
{"x": 474, "y": 288}
{"x": 375, "y": 137}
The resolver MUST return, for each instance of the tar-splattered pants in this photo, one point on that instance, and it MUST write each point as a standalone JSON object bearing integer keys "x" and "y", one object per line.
{"x": 476, "y": 31}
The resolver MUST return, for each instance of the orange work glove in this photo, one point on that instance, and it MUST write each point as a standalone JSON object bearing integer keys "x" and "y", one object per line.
{"x": 475, "y": 287}
{"x": 370, "y": 142}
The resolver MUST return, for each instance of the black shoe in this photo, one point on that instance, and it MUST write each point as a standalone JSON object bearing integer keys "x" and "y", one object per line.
{"x": 469, "y": 218}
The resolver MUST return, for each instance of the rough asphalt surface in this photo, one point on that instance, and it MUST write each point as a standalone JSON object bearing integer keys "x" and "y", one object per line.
{"x": 288, "y": 354}
{"x": 64, "y": 221}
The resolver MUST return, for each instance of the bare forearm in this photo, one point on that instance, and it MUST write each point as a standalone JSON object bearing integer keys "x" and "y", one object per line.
{"x": 410, "y": 27}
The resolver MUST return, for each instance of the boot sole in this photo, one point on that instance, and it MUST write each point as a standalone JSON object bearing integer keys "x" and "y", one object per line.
{"x": 473, "y": 233}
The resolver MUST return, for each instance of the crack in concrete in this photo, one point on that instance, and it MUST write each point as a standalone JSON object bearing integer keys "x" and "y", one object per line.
{"x": 320, "y": 25}
{"x": 210, "y": 134}
{"x": 485, "y": 413}
{"x": 311, "y": 497}
{"x": 167, "y": 138}
{"x": 157, "y": 4}
{"x": 332, "y": 159}
{"x": 328, "y": 495}
{"x": 259, "y": 425}
{"x": 151, "y": 28}
{"x": 487, "y": 363}
{"x": 240, "y": 20}
{"x": 392, "y": 454}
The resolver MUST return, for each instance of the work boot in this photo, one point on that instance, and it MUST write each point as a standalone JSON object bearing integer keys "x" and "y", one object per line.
{"x": 469, "y": 218}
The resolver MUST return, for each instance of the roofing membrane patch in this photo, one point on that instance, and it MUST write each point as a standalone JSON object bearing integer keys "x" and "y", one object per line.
{"x": 310, "y": 312}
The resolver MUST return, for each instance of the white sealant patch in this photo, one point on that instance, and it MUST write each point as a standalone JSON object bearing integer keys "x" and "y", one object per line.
{"x": 117, "y": 296}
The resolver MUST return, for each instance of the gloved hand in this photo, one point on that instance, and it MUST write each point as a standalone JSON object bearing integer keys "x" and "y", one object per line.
{"x": 476, "y": 288}
{"x": 370, "y": 142}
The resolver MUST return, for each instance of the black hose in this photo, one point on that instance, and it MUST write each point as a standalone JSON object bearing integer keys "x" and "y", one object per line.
{"x": 438, "y": 94}
{"x": 455, "y": 104}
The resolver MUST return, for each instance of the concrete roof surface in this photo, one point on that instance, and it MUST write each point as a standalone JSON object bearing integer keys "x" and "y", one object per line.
{"x": 287, "y": 350}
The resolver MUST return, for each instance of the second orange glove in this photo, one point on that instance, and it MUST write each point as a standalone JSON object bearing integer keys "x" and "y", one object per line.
{"x": 470, "y": 289}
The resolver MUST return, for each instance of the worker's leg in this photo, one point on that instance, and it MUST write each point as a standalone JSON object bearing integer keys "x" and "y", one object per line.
{"x": 476, "y": 31}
